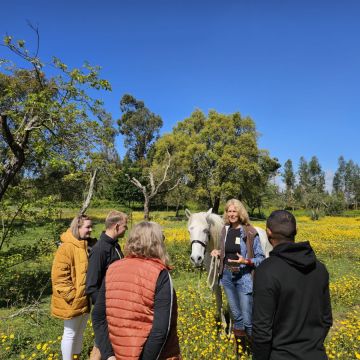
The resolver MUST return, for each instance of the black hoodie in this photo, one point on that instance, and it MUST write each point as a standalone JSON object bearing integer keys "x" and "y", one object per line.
{"x": 292, "y": 310}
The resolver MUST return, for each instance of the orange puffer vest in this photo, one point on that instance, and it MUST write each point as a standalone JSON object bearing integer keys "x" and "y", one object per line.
{"x": 130, "y": 294}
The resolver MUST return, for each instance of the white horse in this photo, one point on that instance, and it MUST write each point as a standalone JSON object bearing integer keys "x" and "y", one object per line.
{"x": 205, "y": 231}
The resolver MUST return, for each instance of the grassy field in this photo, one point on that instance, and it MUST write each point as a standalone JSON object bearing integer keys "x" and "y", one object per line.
{"x": 30, "y": 333}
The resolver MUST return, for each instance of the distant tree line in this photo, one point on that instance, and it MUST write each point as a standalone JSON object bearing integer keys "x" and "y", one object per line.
{"x": 306, "y": 188}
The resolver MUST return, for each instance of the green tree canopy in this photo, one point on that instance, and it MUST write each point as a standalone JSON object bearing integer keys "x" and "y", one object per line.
{"x": 310, "y": 191}
{"x": 316, "y": 175}
{"x": 47, "y": 117}
{"x": 289, "y": 176}
{"x": 139, "y": 126}
{"x": 339, "y": 176}
{"x": 347, "y": 181}
{"x": 219, "y": 157}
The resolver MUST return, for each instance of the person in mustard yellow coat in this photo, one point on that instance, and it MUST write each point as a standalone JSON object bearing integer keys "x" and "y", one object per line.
{"x": 68, "y": 275}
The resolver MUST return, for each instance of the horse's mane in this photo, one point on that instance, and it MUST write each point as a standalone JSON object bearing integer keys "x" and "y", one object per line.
{"x": 216, "y": 225}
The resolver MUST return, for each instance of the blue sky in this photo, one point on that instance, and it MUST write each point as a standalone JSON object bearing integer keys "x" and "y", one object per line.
{"x": 293, "y": 66}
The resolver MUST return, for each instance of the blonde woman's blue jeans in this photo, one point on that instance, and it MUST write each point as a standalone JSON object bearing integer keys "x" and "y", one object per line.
{"x": 239, "y": 302}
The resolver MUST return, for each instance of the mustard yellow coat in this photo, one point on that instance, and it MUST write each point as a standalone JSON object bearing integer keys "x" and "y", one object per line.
{"x": 68, "y": 277}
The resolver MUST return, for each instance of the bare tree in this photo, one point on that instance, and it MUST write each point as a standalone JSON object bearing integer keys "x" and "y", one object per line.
{"x": 152, "y": 189}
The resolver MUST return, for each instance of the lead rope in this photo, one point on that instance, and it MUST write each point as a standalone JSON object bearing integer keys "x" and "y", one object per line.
{"x": 213, "y": 271}
{"x": 200, "y": 275}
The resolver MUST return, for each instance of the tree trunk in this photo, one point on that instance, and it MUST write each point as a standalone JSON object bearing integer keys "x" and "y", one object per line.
{"x": 9, "y": 173}
{"x": 215, "y": 208}
{"x": 177, "y": 209}
{"x": 17, "y": 147}
{"x": 146, "y": 209}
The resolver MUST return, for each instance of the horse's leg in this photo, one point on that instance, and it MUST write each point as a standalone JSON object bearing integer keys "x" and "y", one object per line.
{"x": 227, "y": 320}
{"x": 223, "y": 316}
{"x": 216, "y": 290}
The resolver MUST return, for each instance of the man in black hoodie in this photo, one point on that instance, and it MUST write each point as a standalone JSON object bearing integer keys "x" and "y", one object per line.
{"x": 104, "y": 252}
{"x": 292, "y": 310}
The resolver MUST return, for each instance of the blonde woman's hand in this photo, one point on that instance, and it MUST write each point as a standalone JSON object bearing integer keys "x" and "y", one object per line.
{"x": 215, "y": 252}
{"x": 240, "y": 260}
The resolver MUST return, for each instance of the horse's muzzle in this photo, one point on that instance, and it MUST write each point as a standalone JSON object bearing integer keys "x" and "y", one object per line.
{"x": 197, "y": 260}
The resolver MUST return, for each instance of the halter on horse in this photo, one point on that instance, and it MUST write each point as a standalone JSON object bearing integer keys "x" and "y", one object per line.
{"x": 204, "y": 229}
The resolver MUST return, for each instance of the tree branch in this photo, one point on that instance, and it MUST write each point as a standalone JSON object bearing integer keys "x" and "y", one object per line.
{"x": 89, "y": 194}
{"x": 177, "y": 183}
{"x": 165, "y": 173}
{"x": 152, "y": 183}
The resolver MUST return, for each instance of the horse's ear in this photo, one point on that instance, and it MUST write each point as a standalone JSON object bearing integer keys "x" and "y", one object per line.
{"x": 208, "y": 215}
{"x": 187, "y": 213}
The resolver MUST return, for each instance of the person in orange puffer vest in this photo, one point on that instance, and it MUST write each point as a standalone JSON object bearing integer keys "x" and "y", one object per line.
{"x": 135, "y": 315}
{"x": 69, "y": 301}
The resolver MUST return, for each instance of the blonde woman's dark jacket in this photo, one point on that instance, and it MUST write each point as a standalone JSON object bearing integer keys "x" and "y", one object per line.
{"x": 68, "y": 277}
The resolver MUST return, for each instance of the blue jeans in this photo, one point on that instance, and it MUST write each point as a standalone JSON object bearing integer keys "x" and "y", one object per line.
{"x": 240, "y": 303}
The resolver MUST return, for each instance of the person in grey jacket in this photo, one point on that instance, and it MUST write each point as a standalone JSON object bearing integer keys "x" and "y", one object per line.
{"x": 103, "y": 253}
{"x": 292, "y": 309}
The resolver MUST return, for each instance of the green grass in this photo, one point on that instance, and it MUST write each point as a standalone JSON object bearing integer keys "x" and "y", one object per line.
{"x": 340, "y": 267}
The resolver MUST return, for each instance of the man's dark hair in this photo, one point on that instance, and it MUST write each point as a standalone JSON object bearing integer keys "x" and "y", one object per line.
{"x": 282, "y": 225}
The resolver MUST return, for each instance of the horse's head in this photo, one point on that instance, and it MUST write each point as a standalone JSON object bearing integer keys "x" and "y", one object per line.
{"x": 199, "y": 229}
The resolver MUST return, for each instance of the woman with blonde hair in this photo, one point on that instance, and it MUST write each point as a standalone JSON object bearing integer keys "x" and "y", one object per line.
{"x": 240, "y": 252}
{"x": 135, "y": 315}
{"x": 69, "y": 301}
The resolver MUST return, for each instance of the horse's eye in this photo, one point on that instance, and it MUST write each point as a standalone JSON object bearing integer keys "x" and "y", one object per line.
{"x": 206, "y": 231}
{"x": 191, "y": 227}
